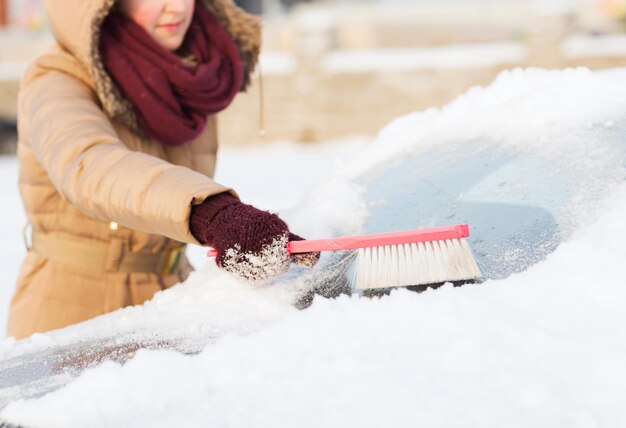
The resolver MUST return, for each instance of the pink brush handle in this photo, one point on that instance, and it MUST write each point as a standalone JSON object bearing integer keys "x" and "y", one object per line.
{"x": 377, "y": 240}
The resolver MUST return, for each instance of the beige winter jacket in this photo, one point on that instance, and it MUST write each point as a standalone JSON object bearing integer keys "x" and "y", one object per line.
{"x": 89, "y": 175}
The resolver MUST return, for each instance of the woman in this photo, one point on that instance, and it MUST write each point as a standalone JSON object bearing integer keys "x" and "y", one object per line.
{"x": 117, "y": 144}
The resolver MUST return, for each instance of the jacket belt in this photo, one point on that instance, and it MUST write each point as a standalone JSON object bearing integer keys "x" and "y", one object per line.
{"x": 106, "y": 257}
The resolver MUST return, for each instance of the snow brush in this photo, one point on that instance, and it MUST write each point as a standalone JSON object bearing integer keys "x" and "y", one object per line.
{"x": 401, "y": 259}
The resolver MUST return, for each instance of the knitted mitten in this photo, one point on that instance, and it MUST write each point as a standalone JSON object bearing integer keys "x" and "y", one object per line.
{"x": 251, "y": 244}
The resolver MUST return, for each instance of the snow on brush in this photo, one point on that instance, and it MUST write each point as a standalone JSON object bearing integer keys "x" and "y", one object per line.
{"x": 545, "y": 347}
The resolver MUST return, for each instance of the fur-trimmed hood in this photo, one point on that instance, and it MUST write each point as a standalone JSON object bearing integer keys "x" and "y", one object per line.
{"x": 76, "y": 26}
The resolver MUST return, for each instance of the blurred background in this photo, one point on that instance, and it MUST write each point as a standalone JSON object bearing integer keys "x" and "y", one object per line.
{"x": 333, "y": 68}
{"x": 334, "y": 72}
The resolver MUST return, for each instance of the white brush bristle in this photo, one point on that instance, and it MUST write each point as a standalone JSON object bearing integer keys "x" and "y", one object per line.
{"x": 414, "y": 264}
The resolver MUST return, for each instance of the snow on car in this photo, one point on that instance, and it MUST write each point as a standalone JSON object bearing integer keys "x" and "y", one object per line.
{"x": 535, "y": 163}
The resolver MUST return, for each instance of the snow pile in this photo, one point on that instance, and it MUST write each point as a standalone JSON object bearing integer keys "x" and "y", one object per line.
{"x": 548, "y": 113}
{"x": 208, "y": 305}
{"x": 543, "y": 347}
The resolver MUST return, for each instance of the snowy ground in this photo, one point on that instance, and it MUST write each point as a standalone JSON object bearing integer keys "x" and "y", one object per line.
{"x": 12, "y": 248}
{"x": 432, "y": 58}
{"x": 545, "y": 347}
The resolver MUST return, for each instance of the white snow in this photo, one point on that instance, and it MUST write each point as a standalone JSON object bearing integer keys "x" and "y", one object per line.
{"x": 449, "y": 57}
{"x": 12, "y": 71}
{"x": 586, "y": 46}
{"x": 12, "y": 248}
{"x": 550, "y": 114}
{"x": 545, "y": 347}
{"x": 290, "y": 171}
{"x": 277, "y": 63}
{"x": 432, "y": 58}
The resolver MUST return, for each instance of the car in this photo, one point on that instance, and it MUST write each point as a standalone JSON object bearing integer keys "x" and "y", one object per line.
{"x": 518, "y": 162}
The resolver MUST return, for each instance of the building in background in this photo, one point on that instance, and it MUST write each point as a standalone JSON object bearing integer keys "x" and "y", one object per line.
{"x": 338, "y": 67}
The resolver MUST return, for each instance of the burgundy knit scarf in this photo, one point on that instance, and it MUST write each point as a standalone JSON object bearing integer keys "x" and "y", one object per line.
{"x": 172, "y": 99}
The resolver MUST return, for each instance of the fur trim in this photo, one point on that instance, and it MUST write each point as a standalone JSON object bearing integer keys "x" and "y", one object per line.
{"x": 113, "y": 102}
{"x": 243, "y": 27}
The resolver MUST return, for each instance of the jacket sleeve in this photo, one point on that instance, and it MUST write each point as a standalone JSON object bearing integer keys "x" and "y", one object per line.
{"x": 76, "y": 144}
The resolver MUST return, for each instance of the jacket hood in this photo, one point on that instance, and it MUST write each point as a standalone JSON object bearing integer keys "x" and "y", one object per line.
{"x": 76, "y": 27}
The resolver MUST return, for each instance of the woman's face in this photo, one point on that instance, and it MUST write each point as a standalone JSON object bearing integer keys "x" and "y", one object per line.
{"x": 167, "y": 21}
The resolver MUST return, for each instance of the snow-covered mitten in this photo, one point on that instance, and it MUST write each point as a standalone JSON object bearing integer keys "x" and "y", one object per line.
{"x": 251, "y": 244}
{"x": 303, "y": 259}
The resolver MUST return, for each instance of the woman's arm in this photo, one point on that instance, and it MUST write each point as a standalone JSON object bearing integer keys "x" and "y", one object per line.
{"x": 77, "y": 146}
